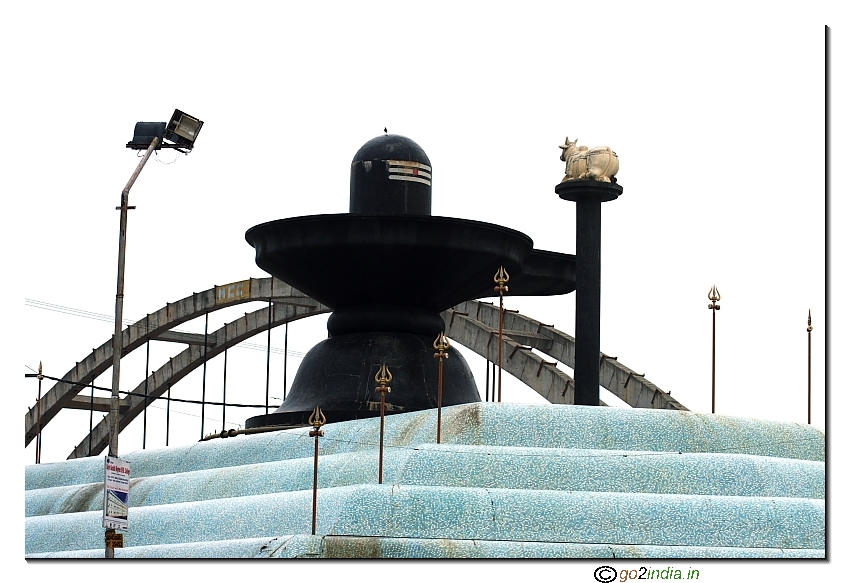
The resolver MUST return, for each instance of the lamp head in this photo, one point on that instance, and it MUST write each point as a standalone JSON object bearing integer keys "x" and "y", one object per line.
{"x": 183, "y": 129}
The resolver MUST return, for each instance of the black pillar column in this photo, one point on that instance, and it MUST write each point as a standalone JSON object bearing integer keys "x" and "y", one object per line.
{"x": 588, "y": 196}
{"x": 588, "y": 273}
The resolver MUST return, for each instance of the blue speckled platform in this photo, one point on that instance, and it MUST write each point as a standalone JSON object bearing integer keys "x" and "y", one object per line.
{"x": 509, "y": 480}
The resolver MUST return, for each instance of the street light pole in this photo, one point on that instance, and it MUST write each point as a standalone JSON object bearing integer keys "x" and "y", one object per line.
{"x": 117, "y": 339}
{"x": 182, "y": 131}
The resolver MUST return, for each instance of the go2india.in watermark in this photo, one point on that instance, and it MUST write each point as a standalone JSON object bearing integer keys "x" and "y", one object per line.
{"x": 607, "y": 574}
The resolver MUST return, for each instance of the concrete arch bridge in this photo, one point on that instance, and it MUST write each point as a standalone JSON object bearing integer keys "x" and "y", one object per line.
{"x": 472, "y": 324}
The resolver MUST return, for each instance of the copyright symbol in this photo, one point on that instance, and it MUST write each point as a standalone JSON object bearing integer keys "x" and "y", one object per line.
{"x": 605, "y": 574}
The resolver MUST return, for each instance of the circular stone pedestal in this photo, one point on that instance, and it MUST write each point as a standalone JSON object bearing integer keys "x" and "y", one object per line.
{"x": 338, "y": 374}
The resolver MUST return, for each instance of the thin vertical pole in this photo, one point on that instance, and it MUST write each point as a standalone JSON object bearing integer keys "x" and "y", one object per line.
{"x": 383, "y": 376}
{"x": 167, "y": 415}
{"x": 493, "y": 383}
{"x": 487, "y": 383}
{"x": 224, "y": 392}
{"x": 285, "y": 355}
{"x": 501, "y": 326}
{"x": 315, "y": 479}
{"x": 269, "y": 350}
{"x": 91, "y": 413}
{"x": 713, "y": 341}
{"x": 381, "y": 450}
{"x": 714, "y": 296}
{"x": 441, "y": 344}
{"x": 501, "y": 278}
{"x": 439, "y": 399}
{"x": 317, "y": 419}
{"x": 204, "y": 379}
{"x": 147, "y": 375}
{"x": 809, "y": 331}
{"x": 40, "y": 376}
{"x": 117, "y": 338}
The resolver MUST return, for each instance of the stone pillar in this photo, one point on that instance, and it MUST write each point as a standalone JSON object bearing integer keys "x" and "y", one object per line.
{"x": 588, "y": 196}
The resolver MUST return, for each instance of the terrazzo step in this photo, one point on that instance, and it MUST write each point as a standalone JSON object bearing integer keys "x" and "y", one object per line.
{"x": 421, "y": 512}
{"x": 496, "y": 424}
{"x": 470, "y": 467}
{"x": 305, "y": 546}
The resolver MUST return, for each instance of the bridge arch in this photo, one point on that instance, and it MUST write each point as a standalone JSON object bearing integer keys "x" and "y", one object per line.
{"x": 472, "y": 324}
{"x": 158, "y": 326}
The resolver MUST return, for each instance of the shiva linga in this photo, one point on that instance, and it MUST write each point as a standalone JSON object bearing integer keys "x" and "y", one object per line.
{"x": 387, "y": 269}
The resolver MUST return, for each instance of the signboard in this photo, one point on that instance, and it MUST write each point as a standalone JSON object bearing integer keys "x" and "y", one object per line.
{"x": 116, "y": 493}
{"x": 114, "y": 540}
{"x": 231, "y": 292}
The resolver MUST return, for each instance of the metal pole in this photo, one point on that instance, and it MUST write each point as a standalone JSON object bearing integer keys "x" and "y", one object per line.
{"x": 117, "y": 339}
{"x": 40, "y": 377}
{"x": 167, "y": 415}
{"x": 487, "y": 383}
{"x": 440, "y": 400}
{"x": 285, "y": 355}
{"x": 147, "y": 375}
{"x": 809, "y": 331}
{"x": 381, "y": 452}
{"x": 501, "y": 328}
{"x": 441, "y": 344}
{"x": 91, "y": 414}
{"x": 713, "y": 354}
{"x": 317, "y": 419}
{"x": 269, "y": 351}
{"x": 501, "y": 278}
{"x": 316, "y": 434}
{"x": 714, "y": 296}
{"x": 493, "y": 383}
{"x": 383, "y": 376}
{"x": 204, "y": 377}
{"x": 224, "y": 393}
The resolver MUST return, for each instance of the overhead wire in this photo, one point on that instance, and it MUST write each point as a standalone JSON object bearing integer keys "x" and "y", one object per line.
{"x": 127, "y": 322}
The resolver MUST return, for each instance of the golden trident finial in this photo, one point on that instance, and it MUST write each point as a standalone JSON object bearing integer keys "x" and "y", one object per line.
{"x": 501, "y": 278}
{"x": 441, "y": 343}
{"x": 317, "y": 418}
{"x": 384, "y": 376}
{"x": 714, "y": 296}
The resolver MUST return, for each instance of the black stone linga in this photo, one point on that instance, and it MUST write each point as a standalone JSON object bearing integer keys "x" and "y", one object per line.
{"x": 387, "y": 269}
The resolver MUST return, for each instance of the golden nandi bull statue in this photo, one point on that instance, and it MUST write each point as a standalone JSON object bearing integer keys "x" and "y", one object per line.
{"x": 589, "y": 164}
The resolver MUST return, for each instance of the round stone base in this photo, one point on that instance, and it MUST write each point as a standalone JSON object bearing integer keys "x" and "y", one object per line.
{"x": 338, "y": 375}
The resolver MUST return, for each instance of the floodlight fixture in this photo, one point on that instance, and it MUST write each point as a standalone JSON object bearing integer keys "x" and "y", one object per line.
{"x": 181, "y": 131}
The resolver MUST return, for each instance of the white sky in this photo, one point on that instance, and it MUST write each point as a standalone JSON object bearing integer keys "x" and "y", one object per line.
{"x": 717, "y": 116}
